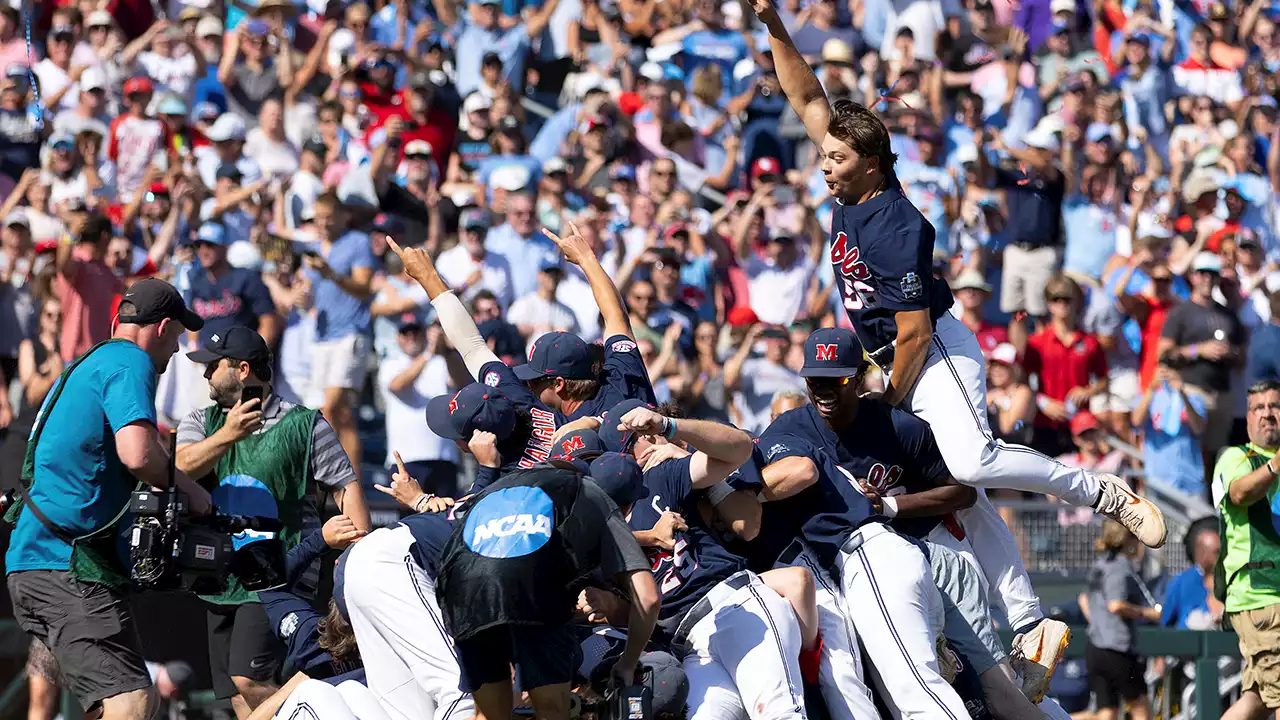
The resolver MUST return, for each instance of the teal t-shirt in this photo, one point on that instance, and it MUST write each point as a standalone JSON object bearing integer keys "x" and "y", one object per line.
{"x": 80, "y": 483}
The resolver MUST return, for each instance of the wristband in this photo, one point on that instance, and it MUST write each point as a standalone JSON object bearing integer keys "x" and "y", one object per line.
{"x": 1193, "y": 352}
{"x": 890, "y": 507}
{"x": 718, "y": 492}
{"x": 670, "y": 431}
{"x": 423, "y": 499}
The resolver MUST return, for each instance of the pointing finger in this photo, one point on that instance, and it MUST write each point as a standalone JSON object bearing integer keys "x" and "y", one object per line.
{"x": 551, "y": 235}
{"x": 400, "y": 463}
{"x": 385, "y": 489}
{"x": 573, "y": 229}
{"x": 396, "y": 248}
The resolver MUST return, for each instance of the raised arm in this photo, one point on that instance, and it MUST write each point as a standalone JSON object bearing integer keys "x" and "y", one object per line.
{"x": 721, "y": 448}
{"x": 578, "y": 251}
{"x": 798, "y": 81}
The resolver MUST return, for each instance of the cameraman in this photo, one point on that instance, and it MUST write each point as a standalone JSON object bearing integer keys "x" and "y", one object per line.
{"x": 270, "y": 458}
{"x": 93, "y": 441}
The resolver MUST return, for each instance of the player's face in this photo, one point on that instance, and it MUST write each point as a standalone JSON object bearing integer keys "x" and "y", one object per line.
{"x": 845, "y": 171}
{"x": 835, "y": 399}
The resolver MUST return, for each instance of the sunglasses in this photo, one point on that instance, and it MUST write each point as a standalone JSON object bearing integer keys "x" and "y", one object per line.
{"x": 1061, "y": 298}
{"x": 417, "y": 156}
{"x": 833, "y": 382}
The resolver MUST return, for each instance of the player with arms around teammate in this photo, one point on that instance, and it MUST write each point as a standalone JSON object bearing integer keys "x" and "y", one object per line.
{"x": 881, "y": 252}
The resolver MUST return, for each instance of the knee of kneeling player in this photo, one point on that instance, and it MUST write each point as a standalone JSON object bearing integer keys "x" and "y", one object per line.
{"x": 254, "y": 692}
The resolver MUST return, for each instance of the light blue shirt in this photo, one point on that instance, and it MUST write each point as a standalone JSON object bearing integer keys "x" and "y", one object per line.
{"x": 722, "y": 47}
{"x": 927, "y": 188}
{"x": 1091, "y": 235}
{"x": 80, "y": 484}
{"x": 524, "y": 255}
{"x": 1170, "y": 451}
{"x": 475, "y": 42}
{"x": 546, "y": 144}
{"x": 337, "y": 313}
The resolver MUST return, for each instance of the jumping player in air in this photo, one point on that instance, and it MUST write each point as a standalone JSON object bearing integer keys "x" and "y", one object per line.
{"x": 881, "y": 250}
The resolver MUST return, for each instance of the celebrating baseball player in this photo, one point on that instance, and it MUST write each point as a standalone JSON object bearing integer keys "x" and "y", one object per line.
{"x": 881, "y": 251}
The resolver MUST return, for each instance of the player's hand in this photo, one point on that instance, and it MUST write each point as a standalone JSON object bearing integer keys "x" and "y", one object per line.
{"x": 576, "y": 249}
{"x": 762, "y": 8}
{"x": 877, "y": 502}
{"x": 484, "y": 445}
{"x": 664, "y": 531}
{"x": 583, "y": 423}
{"x": 643, "y": 421}
{"x": 624, "y": 675}
{"x": 417, "y": 263}
{"x": 319, "y": 264}
{"x": 340, "y": 531}
{"x": 243, "y": 419}
{"x": 596, "y": 604}
{"x": 436, "y": 503}
{"x": 656, "y": 454}
{"x": 404, "y": 488}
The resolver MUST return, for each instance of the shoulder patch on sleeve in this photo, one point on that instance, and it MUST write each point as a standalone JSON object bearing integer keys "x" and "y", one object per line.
{"x": 288, "y": 624}
{"x": 623, "y": 346}
{"x": 491, "y": 379}
{"x": 776, "y": 449}
{"x": 912, "y": 287}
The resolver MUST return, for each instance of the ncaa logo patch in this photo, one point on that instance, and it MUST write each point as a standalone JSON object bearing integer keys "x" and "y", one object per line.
{"x": 912, "y": 288}
{"x": 779, "y": 448}
{"x": 510, "y": 523}
{"x": 288, "y": 624}
{"x": 623, "y": 346}
{"x": 491, "y": 379}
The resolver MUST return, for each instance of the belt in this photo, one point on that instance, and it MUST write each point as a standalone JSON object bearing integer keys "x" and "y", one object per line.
{"x": 883, "y": 356}
{"x": 792, "y": 552}
{"x": 862, "y": 534}
{"x": 709, "y": 602}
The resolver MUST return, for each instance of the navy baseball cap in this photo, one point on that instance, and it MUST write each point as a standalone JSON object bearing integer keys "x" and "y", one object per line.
{"x": 619, "y": 476}
{"x": 340, "y": 583}
{"x": 667, "y": 681}
{"x": 238, "y": 343}
{"x": 474, "y": 407}
{"x": 558, "y": 354}
{"x": 616, "y": 440}
{"x": 578, "y": 445}
{"x": 832, "y": 352}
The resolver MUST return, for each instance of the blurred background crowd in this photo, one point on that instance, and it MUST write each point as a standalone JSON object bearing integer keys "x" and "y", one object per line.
{"x": 1100, "y": 177}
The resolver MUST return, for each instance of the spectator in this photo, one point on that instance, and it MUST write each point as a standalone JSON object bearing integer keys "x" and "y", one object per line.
{"x": 1172, "y": 421}
{"x": 135, "y": 137}
{"x": 972, "y": 292}
{"x": 1115, "y": 602}
{"x": 1011, "y": 403}
{"x": 1189, "y": 602}
{"x": 408, "y": 379}
{"x": 86, "y": 287}
{"x": 754, "y": 380}
{"x": 1262, "y": 360}
{"x": 540, "y": 313}
{"x": 224, "y": 296}
{"x": 469, "y": 267}
{"x": 780, "y": 279}
{"x": 519, "y": 243}
{"x": 249, "y": 74}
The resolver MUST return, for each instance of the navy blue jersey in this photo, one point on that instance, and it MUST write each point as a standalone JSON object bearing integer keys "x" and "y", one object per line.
{"x": 882, "y": 254}
{"x": 530, "y": 444}
{"x": 624, "y": 377}
{"x": 238, "y": 297}
{"x": 778, "y": 522}
{"x": 825, "y": 512}
{"x": 698, "y": 561}
{"x": 893, "y": 450}
{"x": 430, "y": 532}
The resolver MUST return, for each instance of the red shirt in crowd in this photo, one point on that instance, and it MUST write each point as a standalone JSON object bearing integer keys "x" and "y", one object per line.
{"x": 87, "y": 289}
{"x": 990, "y": 335}
{"x": 439, "y": 129}
{"x": 1063, "y": 366}
{"x": 1151, "y": 326}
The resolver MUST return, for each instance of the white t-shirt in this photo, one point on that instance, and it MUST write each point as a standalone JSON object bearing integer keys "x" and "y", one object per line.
{"x": 407, "y": 430}
{"x": 52, "y": 79}
{"x": 777, "y": 294}
{"x": 576, "y": 294}
{"x": 171, "y": 75}
{"x": 533, "y": 310}
{"x": 302, "y": 194}
{"x": 760, "y": 380}
{"x": 456, "y": 265}
{"x": 208, "y": 162}
{"x": 272, "y": 157}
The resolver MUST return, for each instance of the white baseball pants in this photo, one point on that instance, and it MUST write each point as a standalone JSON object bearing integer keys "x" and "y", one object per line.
{"x": 744, "y": 655}
{"x": 951, "y": 395}
{"x": 887, "y": 590}
{"x": 840, "y": 676}
{"x": 316, "y": 700}
{"x": 408, "y": 658}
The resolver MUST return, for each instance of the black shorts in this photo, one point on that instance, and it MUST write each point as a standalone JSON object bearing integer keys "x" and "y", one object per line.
{"x": 1114, "y": 677}
{"x": 87, "y": 627}
{"x": 242, "y": 643}
{"x": 542, "y": 656}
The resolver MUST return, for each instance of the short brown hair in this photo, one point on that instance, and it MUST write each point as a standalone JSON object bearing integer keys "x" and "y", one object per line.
{"x": 330, "y": 199}
{"x": 861, "y": 129}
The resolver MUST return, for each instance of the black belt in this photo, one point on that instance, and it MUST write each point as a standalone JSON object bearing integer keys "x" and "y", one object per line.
{"x": 883, "y": 356}
{"x": 703, "y": 607}
{"x": 792, "y": 552}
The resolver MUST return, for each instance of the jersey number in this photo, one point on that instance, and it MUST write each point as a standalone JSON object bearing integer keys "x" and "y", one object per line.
{"x": 679, "y": 566}
{"x": 853, "y": 275}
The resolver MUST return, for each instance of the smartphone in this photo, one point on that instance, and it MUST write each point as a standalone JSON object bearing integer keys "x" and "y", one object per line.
{"x": 249, "y": 392}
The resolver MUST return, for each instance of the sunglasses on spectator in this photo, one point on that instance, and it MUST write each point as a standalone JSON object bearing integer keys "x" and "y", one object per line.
{"x": 349, "y": 93}
{"x": 417, "y": 156}
{"x": 1061, "y": 298}
{"x": 661, "y": 173}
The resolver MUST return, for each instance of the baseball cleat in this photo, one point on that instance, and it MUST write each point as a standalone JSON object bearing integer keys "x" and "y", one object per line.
{"x": 1036, "y": 654}
{"x": 1139, "y": 515}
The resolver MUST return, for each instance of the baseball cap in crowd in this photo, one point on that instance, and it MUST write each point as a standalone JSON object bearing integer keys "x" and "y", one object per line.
{"x": 208, "y": 26}
{"x": 1041, "y": 139}
{"x": 651, "y": 71}
{"x": 1083, "y": 422}
{"x": 476, "y": 102}
{"x": 474, "y": 407}
{"x": 558, "y": 354}
{"x": 387, "y": 224}
{"x": 63, "y": 30}
{"x": 1058, "y": 6}
{"x": 138, "y": 86}
{"x": 550, "y": 263}
{"x": 171, "y": 105}
{"x": 836, "y": 50}
{"x": 229, "y": 171}
{"x": 206, "y": 111}
{"x": 554, "y": 165}
{"x": 154, "y": 300}
{"x": 417, "y": 148}
{"x": 1057, "y": 28}
{"x": 100, "y": 18}
{"x": 93, "y": 78}
{"x": 213, "y": 234}
{"x": 62, "y": 141}
{"x": 1004, "y": 353}
{"x": 1142, "y": 38}
{"x": 228, "y": 126}
{"x": 832, "y": 352}
{"x": 1238, "y": 186}
{"x": 1097, "y": 132}
{"x": 742, "y": 316}
{"x": 190, "y": 13}
{"x": 236, "y": 343}
{"x": 409, "y": 321}
{"x": 19, "y": 218}
{"x": 1197, "y": 185}
{"x": 623, "y": 172}
{"x": 284, "y": 5}
{"x": 584, "y": 444}
{"x": 619, "y": 476}
{"x": 616, "y": 440}
{"x": 971, "y": 279}
{"x": 315, "y": 144}
{"x": 255, "y": 27}
{"x": 511, "y": 178}
{"x": 509, "y": 123}
{"x": 668, "y": 683}
{"x": 594, "y": 122}
{"x": 1207, "y": 262}
{"x": 475, "y": 218}
{"x": 765, "y": 166}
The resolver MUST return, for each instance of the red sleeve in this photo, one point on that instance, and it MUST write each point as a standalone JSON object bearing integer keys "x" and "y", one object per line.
{"x": 1097, "y": 359}
{"x": 113, "y": 143}
{"x": 1031, "y": 360}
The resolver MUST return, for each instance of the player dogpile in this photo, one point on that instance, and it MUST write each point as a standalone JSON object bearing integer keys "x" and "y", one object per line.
{"x": 845, "y": 562}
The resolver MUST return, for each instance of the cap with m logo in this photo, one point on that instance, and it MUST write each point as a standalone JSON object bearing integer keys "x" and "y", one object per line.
{"x": 832, "y": 352}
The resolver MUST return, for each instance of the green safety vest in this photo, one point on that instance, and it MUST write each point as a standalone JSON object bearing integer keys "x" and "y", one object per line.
{"x": 1247, "y": 575}
{"x": 278, "y": 458}
{"x": 95, "y": 557}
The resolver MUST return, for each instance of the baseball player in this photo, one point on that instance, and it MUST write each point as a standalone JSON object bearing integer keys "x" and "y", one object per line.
{"x": 386, "y": 584}
{"x": 519, "y": 423}
{"x": 740, "y": 640}
{"x": 881, "y": 251}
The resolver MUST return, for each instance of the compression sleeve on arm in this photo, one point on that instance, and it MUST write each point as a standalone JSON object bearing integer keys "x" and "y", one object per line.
{"x": 462, "y": 332}
{"x": 300, "y": 557}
